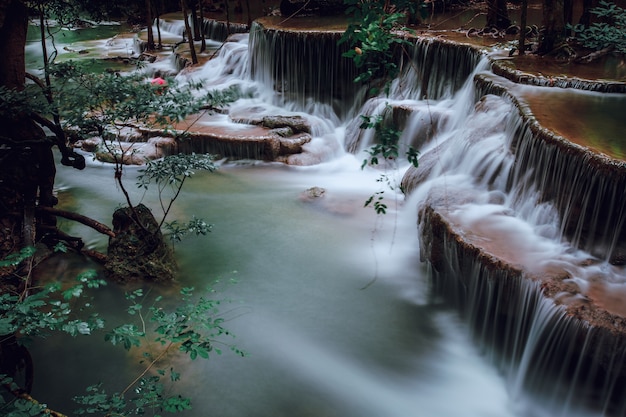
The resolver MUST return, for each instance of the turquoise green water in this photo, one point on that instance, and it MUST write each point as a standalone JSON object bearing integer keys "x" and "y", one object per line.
{"x": 594, "y": 120}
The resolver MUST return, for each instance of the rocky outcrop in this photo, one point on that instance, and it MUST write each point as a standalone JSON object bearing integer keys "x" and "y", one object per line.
{"x": 138, "y": 251}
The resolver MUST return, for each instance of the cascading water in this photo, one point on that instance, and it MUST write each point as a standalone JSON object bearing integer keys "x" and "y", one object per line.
{"x": 482, "y": 193}
{"x": 305, "y": 68}
{"x": 336, "y": 309}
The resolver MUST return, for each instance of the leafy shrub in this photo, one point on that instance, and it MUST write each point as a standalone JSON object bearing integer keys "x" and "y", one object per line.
{"x": 610, "y": 32}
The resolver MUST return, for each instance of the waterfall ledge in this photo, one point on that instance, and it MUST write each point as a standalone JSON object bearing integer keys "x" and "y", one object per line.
{"x": 544, "y": 333}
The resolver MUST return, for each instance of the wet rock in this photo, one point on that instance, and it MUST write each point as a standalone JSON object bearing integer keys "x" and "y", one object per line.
{"x": 163, "y": 146}
{"x": 128, "y": 153}
{"x": 271, "y": 149}
{"x": 88, "y": 145}
{"x": 293, "y": 145}
{"x": 284, "y": 132}
{"x": 247, "y": 115}
{"x": 501, "y": 68}
{"x": 415, "y": 176}
{"x": 296, "y": 123}
{"x": 138, "y": 251}
{"x": 301, "y": 159}
{"x": 312, "y": 193}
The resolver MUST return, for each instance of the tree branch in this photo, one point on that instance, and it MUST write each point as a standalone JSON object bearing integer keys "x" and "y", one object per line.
{"x": 595, "y": 55}
{"x": 94, "y": 224}
{"x": 23, "y": 395}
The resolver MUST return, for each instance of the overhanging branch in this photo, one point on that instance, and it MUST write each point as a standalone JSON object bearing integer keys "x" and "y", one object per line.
{"x": 87, "y": 221}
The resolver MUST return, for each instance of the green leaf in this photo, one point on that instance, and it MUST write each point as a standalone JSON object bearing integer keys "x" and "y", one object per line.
{"x": 127, "y": 335}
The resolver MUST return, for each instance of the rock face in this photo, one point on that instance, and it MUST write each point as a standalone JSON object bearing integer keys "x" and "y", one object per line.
{"x": 138, "y": 252}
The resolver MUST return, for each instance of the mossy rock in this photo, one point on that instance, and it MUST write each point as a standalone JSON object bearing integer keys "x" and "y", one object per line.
{"x": 138, "y": 251}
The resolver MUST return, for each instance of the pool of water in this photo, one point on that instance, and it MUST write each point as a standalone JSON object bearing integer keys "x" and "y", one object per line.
{"x": 331, "y": 303}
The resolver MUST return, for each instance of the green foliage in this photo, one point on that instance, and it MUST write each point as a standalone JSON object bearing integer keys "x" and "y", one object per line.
{"x": 50, "y": 308}
{"x": 609, "y": 32}
{"x": 170, "y": 173}
{"x": 27, "y": 101}
{"x": 68, "y": 13}
{"x": 193, "y": 327}
{"x": 24, "y": 408}
{"x": 173, "y": 170}
{"x": 17, "y": 258}
{"x": 372, "y": 37}
{"x": 220, "y": 98}
{"x": 178, "y": 231}
{"x": 387, "y": 142}
{"x": 378, "y": 202}
{"x": 376, "y": 43}
{"x": 106, "y": 103}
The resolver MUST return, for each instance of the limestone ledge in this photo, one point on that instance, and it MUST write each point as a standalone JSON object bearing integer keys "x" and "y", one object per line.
{"x": 455, "y": 253}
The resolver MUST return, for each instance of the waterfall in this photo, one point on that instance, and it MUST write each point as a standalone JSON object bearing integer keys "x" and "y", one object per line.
{"x": 176, "y": 27}
{"x": 213, "y": 29}
{"x": 434, "y": 91}
{"x": 586, "y": 188}
{"x": 219, "y": 31}
{"x": 516, "y": 223}
{"x": 434, "y": 69}
{"x": 564, "y": 364}
{"x": 305, "y": 68}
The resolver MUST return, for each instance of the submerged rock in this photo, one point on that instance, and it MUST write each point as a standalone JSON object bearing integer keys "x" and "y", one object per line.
{"x": 319, "y": 198}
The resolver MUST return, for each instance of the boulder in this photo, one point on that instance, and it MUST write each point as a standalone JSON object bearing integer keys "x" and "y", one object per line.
{"x": 138, "y": 251}
{"x": 296, "y": 123}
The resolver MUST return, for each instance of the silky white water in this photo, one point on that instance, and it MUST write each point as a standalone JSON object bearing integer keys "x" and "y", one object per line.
{"x": 331, "y": 302}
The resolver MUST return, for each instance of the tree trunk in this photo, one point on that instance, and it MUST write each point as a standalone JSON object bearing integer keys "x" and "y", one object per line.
{"x": 13, "y": 27}
{"x": 497, "y": 14}
{"x": 568, "y": 15}
{"x": 149, "y": 25}
{"x": 585, "y": 18}
{"x": 27, "y": 162}
{"x": 202, "y": 33}
{"x": 197, "y": 24}
{"x": 138, "y": 251}
{"x": 192, "y": 48}
{"x": 522, "y": 32}
{"x": 553, "y": 26}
